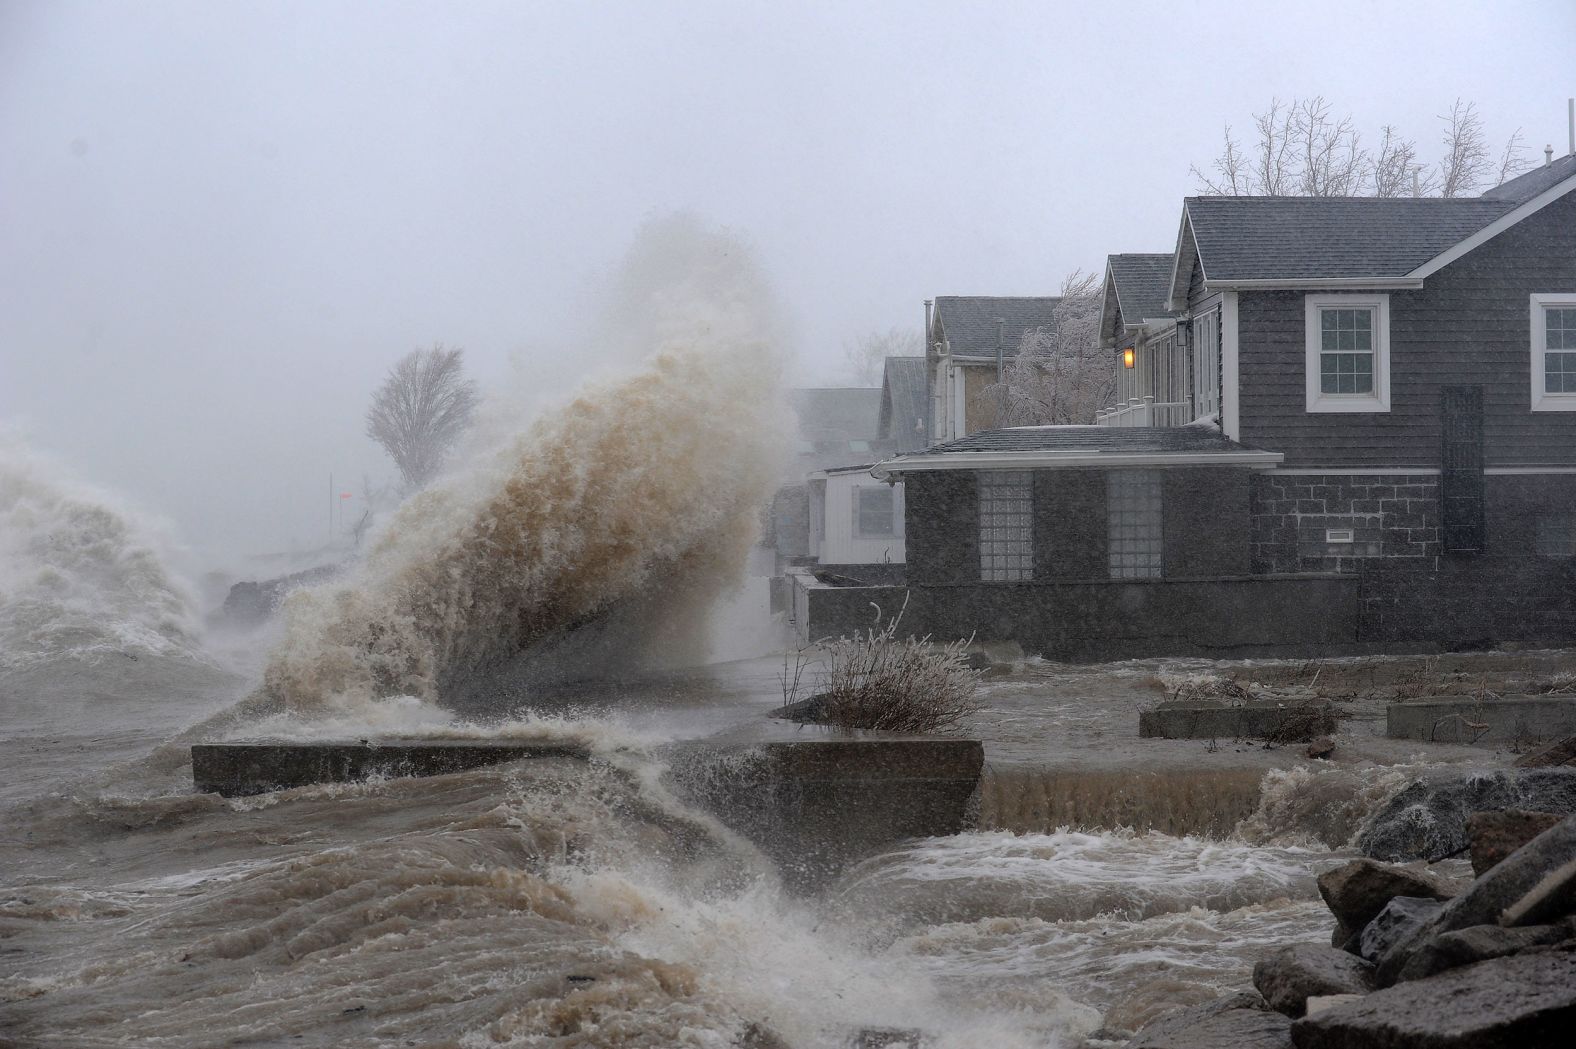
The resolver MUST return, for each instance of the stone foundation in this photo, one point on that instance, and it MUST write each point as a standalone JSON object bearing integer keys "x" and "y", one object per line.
{"x": 1390, "y": 516}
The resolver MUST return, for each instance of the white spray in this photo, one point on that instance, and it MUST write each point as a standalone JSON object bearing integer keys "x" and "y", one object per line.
{"x": 626, "y": 510}
{"x": 81, "y": 576}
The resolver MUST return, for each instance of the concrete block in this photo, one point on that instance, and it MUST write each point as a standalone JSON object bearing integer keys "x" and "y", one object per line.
{"x": 240, "y": 769}
{"x": 1251, "y": 721}
{"x": 1483, "y": 722}
{"x": 816, "y": 805}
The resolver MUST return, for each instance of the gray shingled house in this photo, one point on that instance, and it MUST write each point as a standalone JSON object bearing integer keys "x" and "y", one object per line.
{"x": 1366, "y": 439}
{"x": 1152, "y": 378}
{"x": 969, "y": 342}
{"x": 904, "y": 411}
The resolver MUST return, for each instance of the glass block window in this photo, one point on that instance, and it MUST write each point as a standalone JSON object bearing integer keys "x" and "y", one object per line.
{"x": 1006, "y": 526}
{"x": 1346, "y": 350}
{"x": 874, "y": 509}
{"x": 1556, "y": 535}
{"x": 1559, "y": 349}
{"x": 1133, "y": 506}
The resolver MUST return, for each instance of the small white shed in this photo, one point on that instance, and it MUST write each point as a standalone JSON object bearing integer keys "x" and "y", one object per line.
{"x": 854, "y": 518}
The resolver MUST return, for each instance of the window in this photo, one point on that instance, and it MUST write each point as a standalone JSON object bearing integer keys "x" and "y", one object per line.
{"x": 1348, "y": 353}
{"x": 1206, "y": 363}
{"x": 1554, "y": 353}
{"x": 1133, "y": 506}
{"x": 1006, "y": 526}
{"x": 874, "y": 512}
{"x": 1556, "y": 535}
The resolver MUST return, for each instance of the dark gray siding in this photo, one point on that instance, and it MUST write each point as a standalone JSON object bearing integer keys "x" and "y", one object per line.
{"x": 1070, "y": 533}
{"x": 941, "y": 522}
{"x": 1467, "y": 326}
{"x": 1195, "y": 288}
{"x": 1208, "y": 527}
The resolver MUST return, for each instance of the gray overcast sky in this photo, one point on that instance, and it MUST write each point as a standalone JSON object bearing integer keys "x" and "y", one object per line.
{"x": 219, "y": 223}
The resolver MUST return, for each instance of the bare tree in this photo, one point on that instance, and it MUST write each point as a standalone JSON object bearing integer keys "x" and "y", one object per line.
{"x": 1512, "y": 162}
{"x": 1060, "y": 375}
{"x": 1302, "y": 148}
{"x": 866, "y": 355}
{"x": 419, "y": 411}
{"x": 1466, "y": 162}
{"x": 1395, "y": 170}
{"x": 1270, "y": 164}
{"x": 1231, "y": 171}
{"x": 1330, "y": 161}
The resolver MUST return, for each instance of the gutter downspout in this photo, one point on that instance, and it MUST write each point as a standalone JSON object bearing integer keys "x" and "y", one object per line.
{"x": 930, "y": 385}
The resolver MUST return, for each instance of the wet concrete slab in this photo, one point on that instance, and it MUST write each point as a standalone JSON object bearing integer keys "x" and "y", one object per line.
{"x": 818, "y": 803}
{"x": 241, "y": 769}
{"x": 1483, "y": 721}
{"x": 1246, "y": 721}
{"x": 815, "y": 802}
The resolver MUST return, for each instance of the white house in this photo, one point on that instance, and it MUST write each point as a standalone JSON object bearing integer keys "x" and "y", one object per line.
{"x": 854, "y": 518}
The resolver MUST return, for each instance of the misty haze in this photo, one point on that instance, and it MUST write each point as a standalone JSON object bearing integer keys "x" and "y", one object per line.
{"x": 787, "y": 527}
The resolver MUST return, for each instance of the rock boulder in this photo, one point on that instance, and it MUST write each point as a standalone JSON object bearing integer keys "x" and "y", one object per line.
{"x": 1560, "y": 752}
{"x": 1292, "y": 975}
{"x": 1357, "y": 891}
{"x": 1428, "y": 819}
{"x": 1240, "y": 1021}
{"x": 1403, "y": 923}
{"x": 1478, "y": 943}
{"x": 1527, "y": 1001}
{"x": 1497, "y": 833}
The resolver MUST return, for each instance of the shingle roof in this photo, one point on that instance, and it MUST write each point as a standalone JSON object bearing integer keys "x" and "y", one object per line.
{"x": 977, "y": 325}
{"x": 1525, "y": 186}
{"x": 848, "y": 413}
{"x": 903, "y": 402}
{"x": 1142, "y": 283}
{"x": 1270, "y": 238}
{"x": 1121, "y": 439}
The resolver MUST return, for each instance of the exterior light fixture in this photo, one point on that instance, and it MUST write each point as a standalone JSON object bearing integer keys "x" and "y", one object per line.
{"x": 1127, "y": 358}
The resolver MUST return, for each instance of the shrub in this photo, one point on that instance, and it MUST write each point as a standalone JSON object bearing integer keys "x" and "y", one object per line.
{"x": 877, "y": 680}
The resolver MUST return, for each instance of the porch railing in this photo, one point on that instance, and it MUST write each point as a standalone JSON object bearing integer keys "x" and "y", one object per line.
{"x": 1145, "y": 411}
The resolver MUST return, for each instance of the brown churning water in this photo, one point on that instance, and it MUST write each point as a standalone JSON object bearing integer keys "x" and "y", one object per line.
{"x": 626, "y": 509}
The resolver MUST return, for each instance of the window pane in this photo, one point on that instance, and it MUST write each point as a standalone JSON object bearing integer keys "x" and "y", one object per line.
{"x": 1134, "y": 523}
{"x": 874, "y": 512}
{"x": 1560, "y": 328}
{"x": 1006, "y": 531}
{"x": 1346, "y": 373}
{"x": 1559, "y": 372}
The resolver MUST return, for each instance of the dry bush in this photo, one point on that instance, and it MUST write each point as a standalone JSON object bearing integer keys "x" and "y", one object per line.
{"x": 877, "y": 680}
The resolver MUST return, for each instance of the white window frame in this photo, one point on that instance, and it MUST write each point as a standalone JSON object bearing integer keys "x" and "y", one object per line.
{"x": 1542, "y": 400}
{"x": 1319, "y": 401}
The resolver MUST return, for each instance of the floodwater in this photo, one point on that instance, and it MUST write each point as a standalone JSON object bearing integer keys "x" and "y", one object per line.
{"x": 565, "y": 903}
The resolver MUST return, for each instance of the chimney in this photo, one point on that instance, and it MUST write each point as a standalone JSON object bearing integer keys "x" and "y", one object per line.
{"x": 1570, "y": 109}
{"x": 1548, "y": 155}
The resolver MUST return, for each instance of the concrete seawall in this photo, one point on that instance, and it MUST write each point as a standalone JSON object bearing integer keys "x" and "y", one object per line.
{"x": 1488, "y": 722}
{"x": 240, "y": 769}
{"x": 816, "y": 805}
{"x": 813, "y": 805}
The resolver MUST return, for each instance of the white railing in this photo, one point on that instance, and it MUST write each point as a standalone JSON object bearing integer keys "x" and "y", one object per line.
{"x": 1145, "y": 411}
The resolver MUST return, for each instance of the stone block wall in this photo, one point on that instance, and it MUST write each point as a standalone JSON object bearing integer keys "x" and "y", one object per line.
{"x": 1391, "y": 517}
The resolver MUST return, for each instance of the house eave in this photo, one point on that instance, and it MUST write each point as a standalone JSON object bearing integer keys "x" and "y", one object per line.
{"x": 1072, "y": 459}
{"x": 1315, "y": 284}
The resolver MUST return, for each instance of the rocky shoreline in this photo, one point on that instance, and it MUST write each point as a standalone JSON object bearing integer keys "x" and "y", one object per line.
{"x": 1416, "y": 961}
